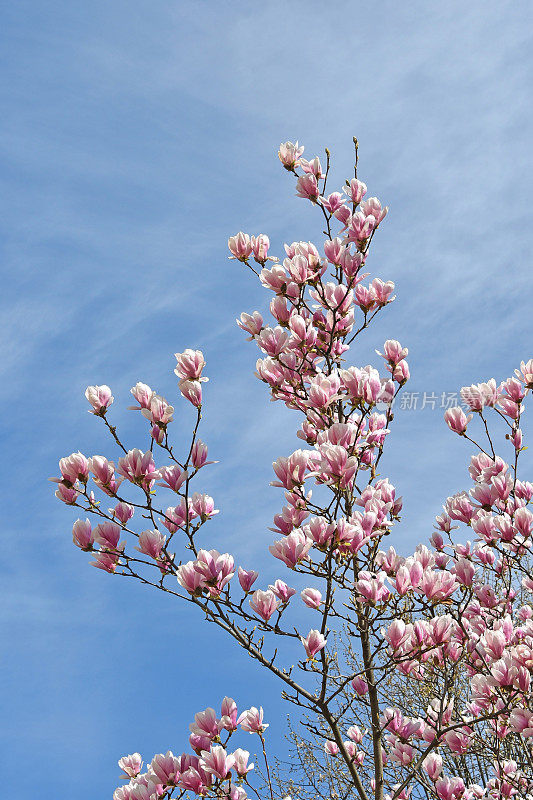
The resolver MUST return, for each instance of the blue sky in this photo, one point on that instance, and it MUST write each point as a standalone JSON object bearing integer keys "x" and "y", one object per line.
{"x": 135, "y": 137}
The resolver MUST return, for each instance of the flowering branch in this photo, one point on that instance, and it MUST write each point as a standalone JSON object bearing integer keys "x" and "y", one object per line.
{"x": 424, "y": 662}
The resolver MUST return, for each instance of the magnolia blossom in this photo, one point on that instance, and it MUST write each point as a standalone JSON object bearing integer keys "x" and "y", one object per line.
{"x": 293, "y": 549}
{"x": 311, "y": 597}
{"x": 247, "y": 578}
{"x": 242, "y": 767}
{"x": 252, "y": 720}
{"x": 217, "y": 762}
{"x": 100, "y": 398}
{"x": 282, "y": 591}
{"x": 456, "y": 419}
{"x": 190, "y": 365}
{"x": 289, "y": 154}
{"x": 138, "y": 467}
{"x": 264, "y": 603}
{"x": 82, "y": 534}
{"x": 131, "y": 765}
{"x": 240, "y": 246}
{"x": 313, "y": 643}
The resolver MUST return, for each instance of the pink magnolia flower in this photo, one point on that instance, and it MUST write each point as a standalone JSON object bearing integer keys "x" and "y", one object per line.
{"x": 138, "y": 789}
{"x": 104, "y": 474}
{"x": 456, "y": 419}
{"x": 438, "y": 585}
{"x": 313, "y": 167}
{"x": 521, "y": 721}
{"x": 513, "y": 389}
{"x": 203, "y": 506}
{"x": 333, "y": 202}
{"x": 372, "y": 208}
{"x": 190, "y": 365}
{"x": 372, "y": 587}
{"x": 252, "y": 720}
{"x": 151, "y": 543}
{"x": 131, "y": 765}
{"x": 292, "y": 549}
{"x": 323, "y": 391}
{"x": 356, "y": 190}
{"x": 174, "y": 477}
{"x": 402, "y": 581}
{"x": 178, "y": 516}
{"x": 165, "y": 769}
{"x": 107, "y": 562}
{"x": 199, "y": 455}
{"x": 291, "y": 471}
{"x": 289, "y": 154}
{"x": 100, "y": 398}
{"x": 195, "y": 779}
{"x": 260, "y": 245}
{"x": 525, "y": 373}
{"x": 433, "y": 766}
{"x": 237, "y": 793}
{"x": 360, "y": 227}
{"x": 66, "y": 494}
{"x": 159, "y": 411}
{"x": 334, "y": 250}
{"x": 362, "y": 384}
{"x": 229, "y": 714}
{"x": 191, "y": 391}
{"x": 82, "y": 534}
{"x": 400, "y": 752}
{"x": 319, "y": 530}
{"x": 459, "y": 740}
{"x": 143, "y": 394}
{"x": 279, "y": 308}
{"x": 123, "y": 512}
{"x": 382, "y": 291}
{"x": 510, "y": 408}
{"x": 331, "y": 748}
{"x": 205, "y": 724}
{"x": 251, "y": 323}
{"x": 189, "y": 577}
{"x": 241, "y": 765}
{"x": 247, "y": 578}
{"x": 360, "y": 686}
{"x": 480, "y": 395}
{"x": 307, "y": 187}
{"x": 393, "y": 352}
{"x": 313, "y": 643}
{"x": 282, "y": 591}
{"x": 311, "y": 597}
{"x": 107, "y": 534}
{"x": 217, "y": 762}
{"x": 401, "y": 372}
{"x": 354, "y": 733}
{"x": 217, "y": 570}
{"x": 73, "y": 468}
{"x": 272, "y": 341}
{"x": 240, "y": 246}
{"x": 464, "y": 571}
{"x": 138, "y": 467}
{"x": 264, "y": 603}
{"x": 277, "y": 280}
{"x": 350, "y": 537}
{"x": 396, "y": 634}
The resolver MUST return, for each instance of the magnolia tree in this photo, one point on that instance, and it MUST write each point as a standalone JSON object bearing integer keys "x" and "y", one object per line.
{"x": 413, "y": 678}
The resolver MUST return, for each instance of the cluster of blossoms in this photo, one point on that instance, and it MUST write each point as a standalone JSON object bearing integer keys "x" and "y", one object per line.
{"x": 432, "y": 682}
{"x": 210, "y": 770}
